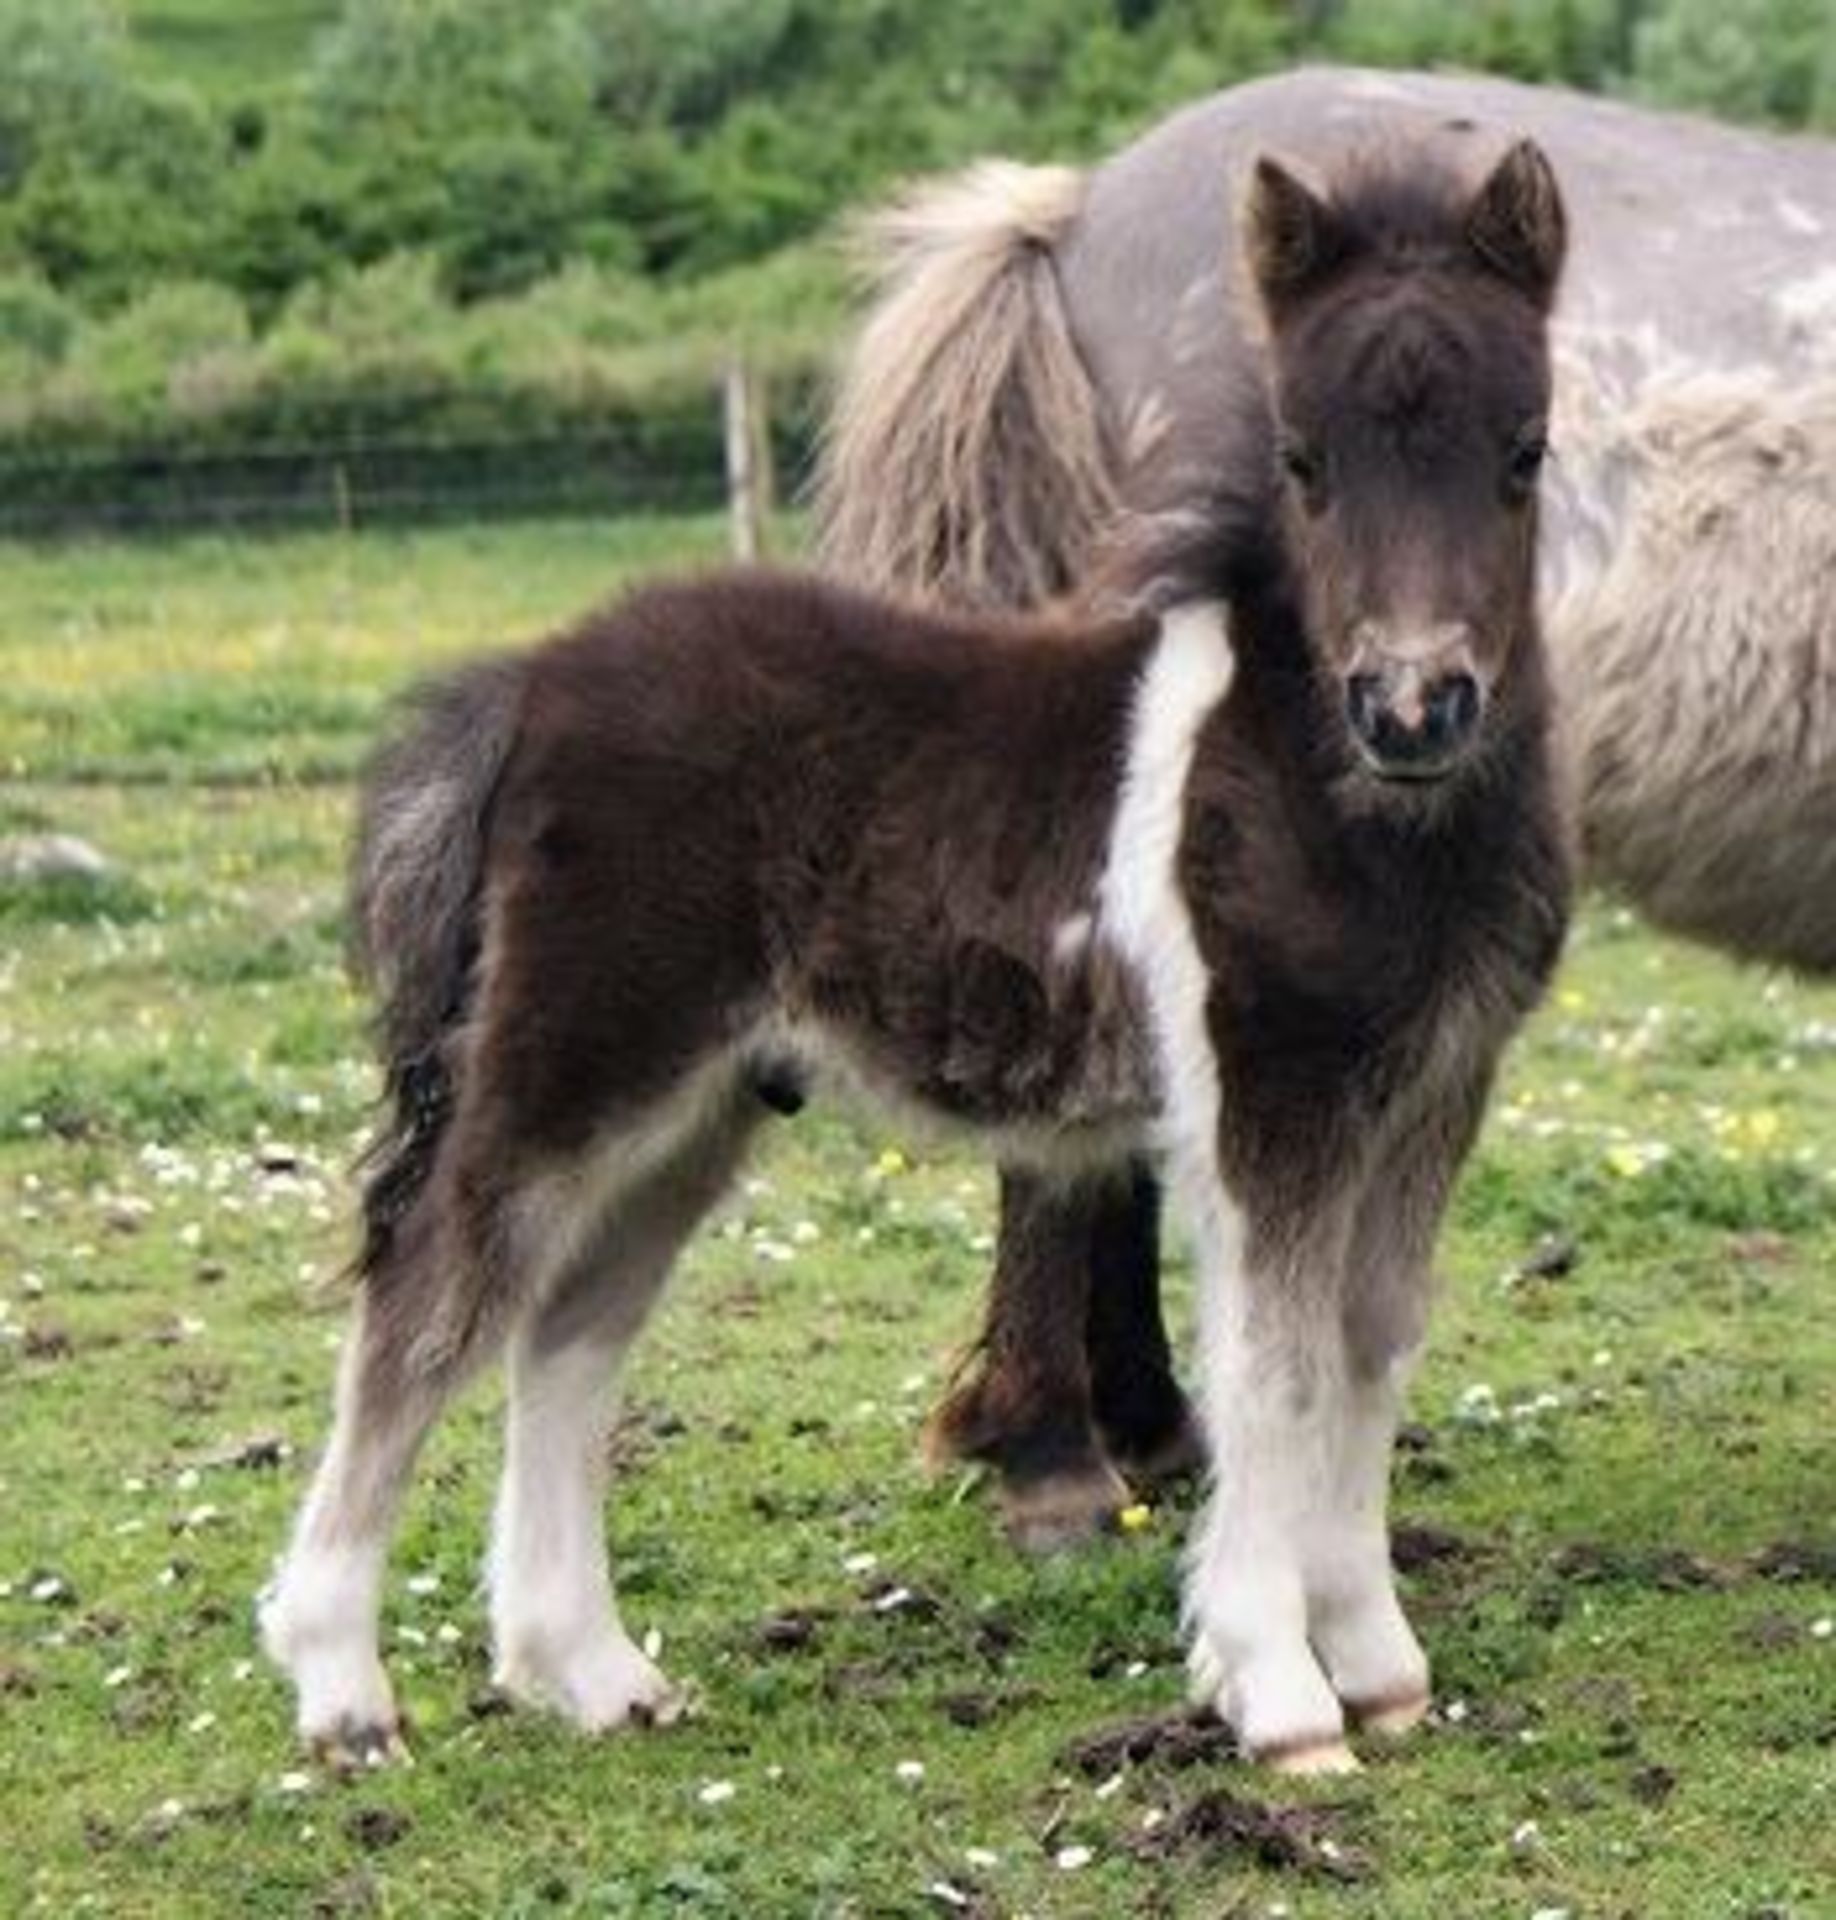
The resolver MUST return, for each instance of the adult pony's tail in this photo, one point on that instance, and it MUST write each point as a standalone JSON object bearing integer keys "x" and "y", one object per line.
{"x": 416, "y": 881}
{"x": 965, "y": 458}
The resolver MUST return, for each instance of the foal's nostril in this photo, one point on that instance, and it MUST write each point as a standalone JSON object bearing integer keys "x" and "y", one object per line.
{"x": 1452, "y": 709}
{"x": 1364, "y": 704}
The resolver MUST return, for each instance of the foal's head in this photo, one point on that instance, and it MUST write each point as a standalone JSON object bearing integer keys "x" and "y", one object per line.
{"x": 1409, "y": 380}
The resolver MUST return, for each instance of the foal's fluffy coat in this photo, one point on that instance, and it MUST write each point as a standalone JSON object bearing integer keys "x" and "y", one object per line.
{"x": 1080, "y": 886}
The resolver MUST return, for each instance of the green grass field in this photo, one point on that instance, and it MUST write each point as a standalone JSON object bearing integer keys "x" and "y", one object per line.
{"x": 1623, "y": 1538}
{"x": 230, "y": 51}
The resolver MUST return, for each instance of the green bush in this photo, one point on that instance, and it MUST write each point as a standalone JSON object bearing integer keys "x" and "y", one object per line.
{"x": 63, "y": 62}
{"x": 128, "y": 368}
{"x": 514, "y": 207}
{"x": 1750, "y": 59}
{"x": 36, "y": 322}
{"x": 447, "y": 69}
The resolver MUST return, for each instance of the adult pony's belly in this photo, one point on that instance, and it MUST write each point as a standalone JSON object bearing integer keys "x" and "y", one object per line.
{"x": 1696, "y": 663}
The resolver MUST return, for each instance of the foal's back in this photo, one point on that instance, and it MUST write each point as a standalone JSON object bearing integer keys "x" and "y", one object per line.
{"x": 757, "y": 798}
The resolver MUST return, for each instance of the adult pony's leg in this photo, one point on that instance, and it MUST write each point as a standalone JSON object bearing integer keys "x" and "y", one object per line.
{"x": 555, "y": 1624}
{"x": 1072, "y": 1376}
{"x": 1146, "y": 1423}
{"x": 1023, "y": 1405}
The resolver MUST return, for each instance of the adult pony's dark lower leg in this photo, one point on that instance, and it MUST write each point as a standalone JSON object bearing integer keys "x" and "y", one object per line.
{"x": 1022, "y": 1403}
{"x": 1071, "y": 1378}
{"x": 1146, "y": 1423}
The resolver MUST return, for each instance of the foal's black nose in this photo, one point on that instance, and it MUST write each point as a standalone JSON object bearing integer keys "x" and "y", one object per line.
{"x": 1412, "y": 723}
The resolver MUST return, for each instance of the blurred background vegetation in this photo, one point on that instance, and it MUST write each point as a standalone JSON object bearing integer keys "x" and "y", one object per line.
{"x": 245, "y": 242}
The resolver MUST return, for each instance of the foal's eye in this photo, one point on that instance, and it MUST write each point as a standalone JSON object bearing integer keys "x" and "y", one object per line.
{"x": 1526, "y": 462}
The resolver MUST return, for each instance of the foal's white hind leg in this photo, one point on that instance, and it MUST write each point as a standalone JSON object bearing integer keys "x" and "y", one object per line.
{"x": 318, "y": 1616}
{"x": 558, "y": 1637}
{"x": 559, "y": 1640}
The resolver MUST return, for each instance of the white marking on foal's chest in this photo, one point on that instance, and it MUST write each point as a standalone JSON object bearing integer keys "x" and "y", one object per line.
{"x": 1144, "y": 913}
{"x": 1071, "y": 939}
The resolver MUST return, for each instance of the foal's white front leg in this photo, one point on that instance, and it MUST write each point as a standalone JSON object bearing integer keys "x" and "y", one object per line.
{"x": 1355, "y": 1620}
{"x": 1268, "y": 1397}
{"x": 1291, "y": 1598}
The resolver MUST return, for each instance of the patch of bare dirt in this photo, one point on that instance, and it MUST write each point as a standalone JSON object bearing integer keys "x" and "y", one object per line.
{"x": 1224, "y": 1827}
{"x": 1414, "y": 1549}
{"x": 1793, "y": 1560}
{"x": 1589, "y": 1563}
{"x": 1181, "y": 1738}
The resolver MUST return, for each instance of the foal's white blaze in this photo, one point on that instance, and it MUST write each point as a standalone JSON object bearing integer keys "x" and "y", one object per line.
{"x": 1271, "y": 1433}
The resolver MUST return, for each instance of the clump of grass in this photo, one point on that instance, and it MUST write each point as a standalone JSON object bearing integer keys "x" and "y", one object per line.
{"x": 75, "y": 899}
{"x": 266, "y": 960}
{"x": 1524, "y": 1191}
{"x": 125, "y": 1096}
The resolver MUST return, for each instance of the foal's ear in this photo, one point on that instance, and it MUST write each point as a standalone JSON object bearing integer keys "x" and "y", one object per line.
{"x": 1516, "y": 224}
{"x": 1291, "y": 234}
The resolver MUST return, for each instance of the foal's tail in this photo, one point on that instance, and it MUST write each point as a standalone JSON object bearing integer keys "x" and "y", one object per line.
{"x": 965, "y": 457}
{"x": 415, "y": 891}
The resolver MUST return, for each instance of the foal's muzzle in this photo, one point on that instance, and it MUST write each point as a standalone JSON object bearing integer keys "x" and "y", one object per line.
{"x": 1414, "y": 714}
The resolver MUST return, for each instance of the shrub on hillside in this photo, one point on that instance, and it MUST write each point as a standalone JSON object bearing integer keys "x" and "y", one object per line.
{"x": 123, "y": 370}
{"x": 36, "y": 321}
{"x": 1751, "y": 59}
{"x": 63, "y": 63}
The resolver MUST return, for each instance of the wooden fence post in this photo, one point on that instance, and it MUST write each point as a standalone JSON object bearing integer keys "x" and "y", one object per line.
{"x": 749, "y": 476}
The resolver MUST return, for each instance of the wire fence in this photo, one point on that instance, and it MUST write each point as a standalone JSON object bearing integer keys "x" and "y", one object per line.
{"x": 671, "y": 463}
{"x": 364, "y": 483}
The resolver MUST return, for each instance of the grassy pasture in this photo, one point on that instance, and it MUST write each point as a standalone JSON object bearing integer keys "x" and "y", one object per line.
{"x": 233, "y": 53}
{"x": 1622, "y": 1540}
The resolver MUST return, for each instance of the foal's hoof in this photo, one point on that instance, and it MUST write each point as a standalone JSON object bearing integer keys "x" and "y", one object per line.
{"x": 1390, "y": 1719}
{"x": 1310, "y": 1758}
{"x": 596, "y": 1686}
{"x": 1064, "y": 1510}
{"x": 353, "y": 1748}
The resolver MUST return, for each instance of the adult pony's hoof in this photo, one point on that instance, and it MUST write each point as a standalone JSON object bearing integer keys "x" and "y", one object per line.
{"x": 1178, "y": 1454}
{"x": 1062, "y": 1510}
{"x": 1390, "y": 1719}
{"x": 1310, "y": 1758}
